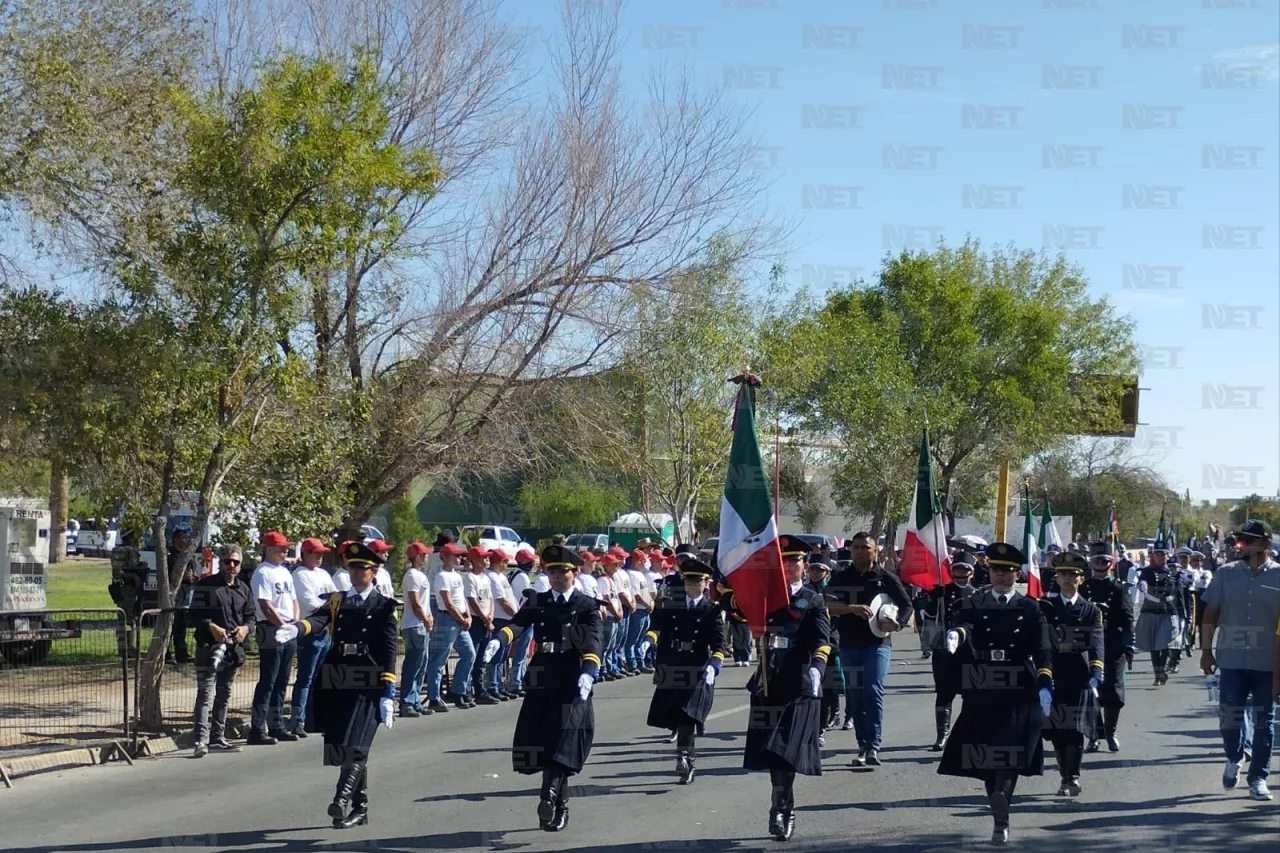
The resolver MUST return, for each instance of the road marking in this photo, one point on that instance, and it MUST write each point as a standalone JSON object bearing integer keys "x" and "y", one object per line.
{"x": 727, "y": 711}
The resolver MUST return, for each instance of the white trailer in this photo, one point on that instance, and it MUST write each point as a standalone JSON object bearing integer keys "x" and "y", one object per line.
{"x": 26, "y": 633}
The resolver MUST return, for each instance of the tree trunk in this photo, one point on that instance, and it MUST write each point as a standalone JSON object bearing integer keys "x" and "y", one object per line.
{"x": 58, "y": 500}
{"x": 150, "y": 673}
{"x": 878, "y": 515}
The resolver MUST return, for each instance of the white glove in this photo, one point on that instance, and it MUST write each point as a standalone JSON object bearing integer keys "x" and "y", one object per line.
{"x": 815, "y": 681}
{"x": 709, "y": 676}
{"x": 490, "y": 650}
{"x": 1046, "y": 700}
{"x": 1093, "y": 687}
{"x": 645, "y": 645}
{"x": 953, "y": 641}
{"x": 285, "y": 633}
{"x": 584, "y": 686}
{"x": 386, "y": 710}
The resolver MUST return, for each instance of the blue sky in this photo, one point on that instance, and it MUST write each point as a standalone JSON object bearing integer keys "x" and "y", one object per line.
{"x": 1142, "y": 138}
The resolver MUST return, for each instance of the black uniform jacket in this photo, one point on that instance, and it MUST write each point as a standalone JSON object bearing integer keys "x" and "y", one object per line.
{"x": 685, "y": 639}
{"x": 1112, "y": 598}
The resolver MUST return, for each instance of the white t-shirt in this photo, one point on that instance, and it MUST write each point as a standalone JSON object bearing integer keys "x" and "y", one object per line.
{"x": 449, "y": 582}
{"x": 414, "y": 583}
{"x": 479, "y": 588}
{"x": 342, "y": 580}
{"x": 313, "y": 587}
{"x": 622, "y": 583}
{"x": 587, "y": 585}
{"x": 382, "y": 580}
{"x": 519, "y": 583}
{"x": 502, "y": 591}
{"x": 641, "y": 585}
{"x": 541, "y": 583}
{"x": 274, "y": 584}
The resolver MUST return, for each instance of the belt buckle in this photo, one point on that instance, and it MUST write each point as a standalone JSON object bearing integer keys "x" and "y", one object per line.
{"x": 997, "y": 654}
{"x": 349, "y": 649}
{"x": 779, "y": 642}
{"x": 548, "y": 647}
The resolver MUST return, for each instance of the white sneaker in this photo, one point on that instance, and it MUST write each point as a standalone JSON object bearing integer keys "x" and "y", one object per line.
{"x": 1230, "y": 774}
{"x": 1258, "y": 790}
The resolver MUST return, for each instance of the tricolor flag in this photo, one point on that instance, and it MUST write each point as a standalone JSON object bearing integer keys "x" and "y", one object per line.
{"x": 748, "y": 553}
{"x": 1113, "y": 533}
{"x": 926, "y": 562}
{"x": 1031, "y": 568}
{"x": 1048, "y": 530}
{"x": 1160, "y": 533}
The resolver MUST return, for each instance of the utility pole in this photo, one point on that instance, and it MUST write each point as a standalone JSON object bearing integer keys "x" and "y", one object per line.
{"x": 1002, "y": 501}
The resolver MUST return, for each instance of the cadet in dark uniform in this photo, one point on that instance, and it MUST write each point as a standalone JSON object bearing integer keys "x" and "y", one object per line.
{"x": 1006, "y": 687}
{"x": 1161, "y": 613}
{"x": 556, "y": 725}
{"x": 739, "y": 632}
{"x": 819, "y": 569}
{"x": 786, "y": 712}
{"x": 688, "y": 633}
{"x": 356, "y": 685}
{"x": 1075, "y": 632}
{"x": 944, "y": 605}
{"x": 1112, "y": 598}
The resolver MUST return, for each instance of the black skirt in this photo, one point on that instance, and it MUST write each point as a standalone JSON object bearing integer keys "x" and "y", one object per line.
{"x": 784, "y": 736}
{"x": 946, "y": 673}
{"x": 1111, "y": 691}
{"x": 553, "y": 727}
{"x": 992, "y": 737}
{"x": 672, "y": 707}
{"x": 1078, "y": 713}
{"x": 348, "y": 719}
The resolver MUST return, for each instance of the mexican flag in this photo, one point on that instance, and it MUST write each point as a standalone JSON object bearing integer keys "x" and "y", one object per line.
{"x": 748, "y": 553}
{"x": 1031, "y": 568}
{"x": 1048, "y": 530}
{"x": 926, "y": 562}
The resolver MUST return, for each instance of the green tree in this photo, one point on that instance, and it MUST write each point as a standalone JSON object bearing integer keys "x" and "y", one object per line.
{"x": 572, "y": 503}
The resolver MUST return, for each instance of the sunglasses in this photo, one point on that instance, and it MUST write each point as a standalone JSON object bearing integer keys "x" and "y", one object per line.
{"x": 230, "y": 562}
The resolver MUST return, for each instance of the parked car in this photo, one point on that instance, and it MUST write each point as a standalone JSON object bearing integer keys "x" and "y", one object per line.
{"x": 585, "y": 541}
{"x": 497, "y": 537}
{"x": 816, "y": 539}
{"x": 710, "y": 545}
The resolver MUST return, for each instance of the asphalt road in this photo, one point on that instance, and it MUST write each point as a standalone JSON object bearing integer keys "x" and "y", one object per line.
{"x": 445, "y": 783}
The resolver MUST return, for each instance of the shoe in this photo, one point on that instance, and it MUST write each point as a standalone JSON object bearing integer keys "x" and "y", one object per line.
{"x": 1112, "y": 743}
{"x": 282, "y": 735}
{"x": 1000, "y": 835}
{"x": 437, "y": 707}
{"x": 670, "y": 739}
{"x": 1062, "y": 789}
{"x": 646, "y": 669}
{"x": 299, "y": 731}
{"x": 1248, "y": 756}
{"x": 424, "y": 711}
{"x": 684, "y": 769}
{"x": 460, "y": 703}
{"x": 1258, "y": 790}
{"x": 1070, "y": 788}
{"x": 561, "y": 819}
{"x": 822, "y": 740}
{"x": 471, "y": 703}
{"x": 1092, "y": 745}
{"x": 348, "y": 784}
{"x": 546, "y": 814}
{"x": 1000, "y": 810}
{"x": 409, "y": 711}
{"x": 859, "y": 760}
{"x": 781, "y": 824}
{"x": 223, "y": 745}
{"x": 848, "y": 725}
{"x": 1230, "y": 774}
{"x": 924, "y": 656}
{"x": 488, "y": 699}
{"x": 503, "y": 696}
{"x": 200, "y": 751}
{"x": 257, "y": 738}
{"x": 873, "y": 758}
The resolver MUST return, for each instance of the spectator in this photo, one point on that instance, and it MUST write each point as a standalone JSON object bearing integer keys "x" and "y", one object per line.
{"x": 341, "y": 577}
{"x": 480, "y": 601}
{"x": 642, "y": 591}
{"x": 452, "y": 622}
{"x": 505, "y": 607}
{"x": 622, "y": 587}
{"x": 382, "y": 577}
{"x": 223, "y": 615}
{"x": 416, "y": 624}
{"x": 521, "y": 580}
{"x": 186, "y": 589}
{"x": 1242, "y": 608}
{"x": 275, "y": 605}
{"x": 312, "y": 585}
{"x": 609, "y": 584}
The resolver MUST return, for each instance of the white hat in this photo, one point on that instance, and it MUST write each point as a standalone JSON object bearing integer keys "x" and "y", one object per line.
{"x": 881, "y": 605}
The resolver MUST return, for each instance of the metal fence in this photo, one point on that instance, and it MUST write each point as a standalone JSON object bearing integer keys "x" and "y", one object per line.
{"x": 64, "y": 680}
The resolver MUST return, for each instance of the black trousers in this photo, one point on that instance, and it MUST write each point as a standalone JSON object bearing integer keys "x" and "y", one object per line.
{"x": 181, "y": 625}
{"x": 687, "y": 739}
{"x": 555, "y": 783}
{"x": 1004, "y": 781}
{"x": 784, "y": 797}
{"x": 1068, "y": 747}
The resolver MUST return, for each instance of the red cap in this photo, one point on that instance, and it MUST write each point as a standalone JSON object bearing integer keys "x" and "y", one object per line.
{"x": 274, "y": 539}
{"x": 416, "y": 549}
{"x": 476, "y": 551}
{"x": 501, "y": 554}
{"x": 638, "y": 556}
{"x": 614, "y": 555}
{"x": 525, "y": 555}
{"x": 379, "y": 546}
{"x": 588, "y": 557}
{"x": 342, "y": 546}
{"x": 452, "y": 548}
{"x": 312, "y": 545}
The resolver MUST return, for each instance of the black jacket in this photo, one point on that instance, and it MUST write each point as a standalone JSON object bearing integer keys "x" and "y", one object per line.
{"x": 216, "y": 602}
{"x": 854, "y": 587}
{"x": 1112, "y": 598}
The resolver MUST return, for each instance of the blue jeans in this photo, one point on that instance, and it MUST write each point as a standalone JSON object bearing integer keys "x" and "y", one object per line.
{"x": 620, "y": 643}
{"x": 609, "y": 642}
{"x": 446, "y": 635}
{"x": 519, "y": 659}
{"x": 417, "y": 642}
{"x": 1241, "y": 690}
{"x": 311, "y": 651}
{"x": 273, "y": 679}
{"x": 636, "y": 626}
{"x": 865, "y": 668}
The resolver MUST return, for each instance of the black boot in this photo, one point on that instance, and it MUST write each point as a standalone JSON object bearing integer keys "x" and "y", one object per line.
{"x": 684, "y": 768}
{"x": 348, "y": 779}
{"x": 1110, "y": 721}
{"x": 1001, "y": 794}
{"x": 547, "y": 799}
{"x": 942, "y": 722}
{"x": 561, "y": 819}
{"x": 359, "y": 801}
{"x": 782, "y": 820}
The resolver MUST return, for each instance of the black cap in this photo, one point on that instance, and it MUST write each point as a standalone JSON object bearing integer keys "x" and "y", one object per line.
{"x": 964, "y": 558}
{"x": 1005, "y": 555}
{"x": 1254, "y": 529}
{"x": 819, "y": 561}
{"x": 692, "y": 568}
{"x": 1070, "y": 561}
{"x": 843, "y": 554}
{"x": 685, "y": 548}
{"x": 359, "y": 554}
{"x": 444, "y": 537}
{"x": 792, "y": 546}
{"x": 558, "y": 555}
